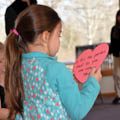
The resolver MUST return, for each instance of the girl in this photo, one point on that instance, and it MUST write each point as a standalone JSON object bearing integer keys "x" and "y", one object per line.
{"x": 39, "y": 87}
{"x": 3, "y": 111}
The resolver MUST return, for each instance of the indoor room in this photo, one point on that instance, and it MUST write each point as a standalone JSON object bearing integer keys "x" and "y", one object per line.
{"x": 81, "y": 26}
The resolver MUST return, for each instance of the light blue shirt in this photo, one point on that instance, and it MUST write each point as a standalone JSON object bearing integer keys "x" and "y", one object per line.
{"x": 77, "y": 103}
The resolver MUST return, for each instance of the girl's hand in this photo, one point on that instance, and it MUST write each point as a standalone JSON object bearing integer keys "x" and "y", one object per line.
{"x": 96, "y": 73}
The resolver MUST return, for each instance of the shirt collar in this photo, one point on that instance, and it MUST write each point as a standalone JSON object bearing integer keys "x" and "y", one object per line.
{"x": 37, "y": 55}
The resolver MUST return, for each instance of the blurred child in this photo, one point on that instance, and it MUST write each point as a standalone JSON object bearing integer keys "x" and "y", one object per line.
{"x": 3, "y": 111}
{"x": 37, "y": 85}
{"x": 2, "y": 69}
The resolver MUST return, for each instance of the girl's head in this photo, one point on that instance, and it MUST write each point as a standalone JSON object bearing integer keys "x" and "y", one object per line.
{"x": 39, "y": 29}
{"x": 36, "y": 27}
{"x": 118, "y": 18}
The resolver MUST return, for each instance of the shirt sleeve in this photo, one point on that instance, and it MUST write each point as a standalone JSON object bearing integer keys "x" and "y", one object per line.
{"x": 76, "y": 102}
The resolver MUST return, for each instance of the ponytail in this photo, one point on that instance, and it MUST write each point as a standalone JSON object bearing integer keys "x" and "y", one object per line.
{"x": 13, "y": 82}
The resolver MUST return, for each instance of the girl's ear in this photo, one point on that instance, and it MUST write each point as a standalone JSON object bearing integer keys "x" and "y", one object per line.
{"x": 45, "y": 36}
{"x": 42, "y": 39}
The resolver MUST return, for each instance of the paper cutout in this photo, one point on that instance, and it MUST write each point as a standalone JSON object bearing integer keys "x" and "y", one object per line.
{"x": 89, "y": 59}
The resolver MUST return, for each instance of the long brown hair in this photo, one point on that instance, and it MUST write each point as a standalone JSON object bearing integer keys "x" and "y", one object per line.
{"x": 29, "y": 24}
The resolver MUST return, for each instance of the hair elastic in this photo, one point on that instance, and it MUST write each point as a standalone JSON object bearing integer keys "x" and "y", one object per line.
{"x": 15, "y": 32}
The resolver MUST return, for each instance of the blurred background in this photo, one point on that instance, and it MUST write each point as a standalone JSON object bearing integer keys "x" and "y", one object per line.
{"x": 85, "y": 22}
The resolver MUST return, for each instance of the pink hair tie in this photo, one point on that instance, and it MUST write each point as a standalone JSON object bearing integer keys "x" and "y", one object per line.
{"x": 15, "y": 32}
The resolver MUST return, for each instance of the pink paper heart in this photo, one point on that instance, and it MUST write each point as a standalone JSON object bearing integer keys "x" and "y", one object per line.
{"x": 89, "y": 59}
